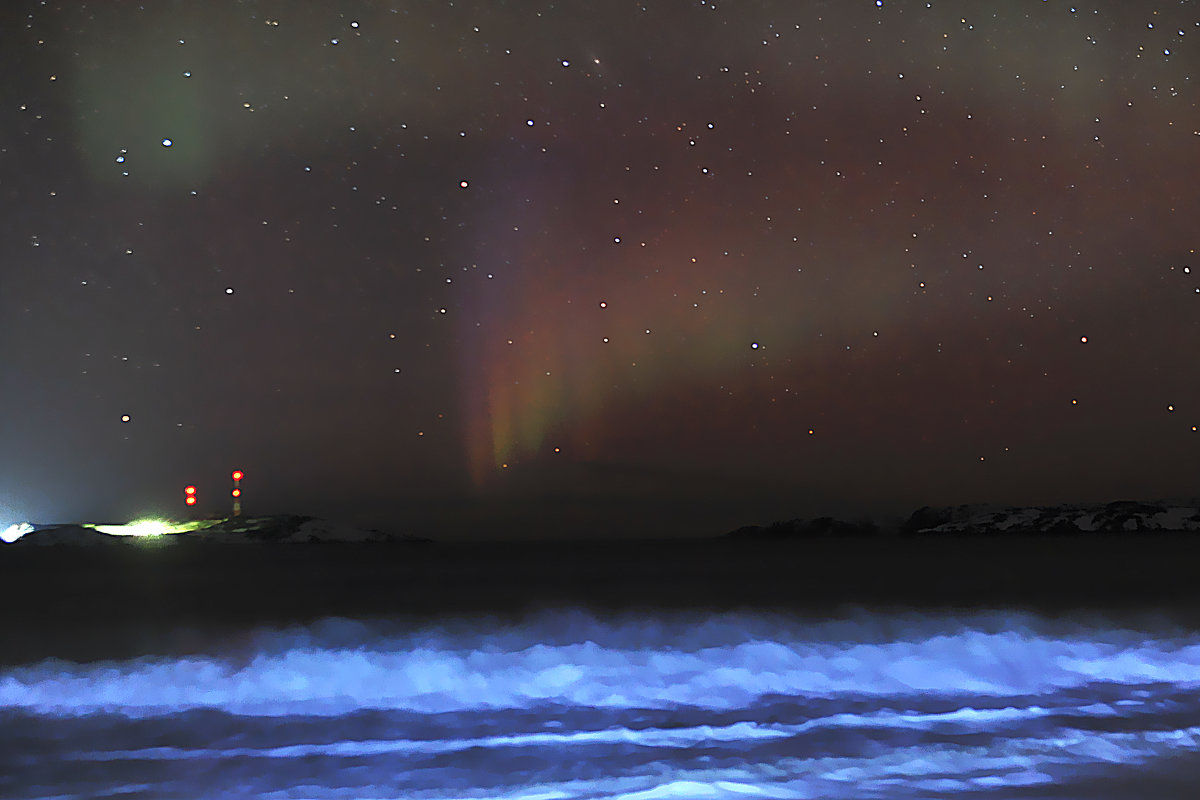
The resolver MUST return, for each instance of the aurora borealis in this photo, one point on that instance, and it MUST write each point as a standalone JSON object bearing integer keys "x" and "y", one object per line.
{"x": 559, "y": 267}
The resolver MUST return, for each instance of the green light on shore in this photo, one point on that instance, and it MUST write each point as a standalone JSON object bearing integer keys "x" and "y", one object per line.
{"x": 151, "y": 527}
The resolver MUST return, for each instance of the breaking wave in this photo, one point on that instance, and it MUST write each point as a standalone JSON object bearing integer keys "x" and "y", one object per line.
{"x": 567, "y": 705}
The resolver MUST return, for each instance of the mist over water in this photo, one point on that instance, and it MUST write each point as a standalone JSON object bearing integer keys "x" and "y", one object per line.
{"x": 565, "y": 704}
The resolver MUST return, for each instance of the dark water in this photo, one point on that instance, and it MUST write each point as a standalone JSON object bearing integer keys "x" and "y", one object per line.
{"x": 565, "y": 704}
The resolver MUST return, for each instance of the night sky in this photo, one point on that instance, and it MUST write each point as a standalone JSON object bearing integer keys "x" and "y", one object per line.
{"x": 596, "y": 268}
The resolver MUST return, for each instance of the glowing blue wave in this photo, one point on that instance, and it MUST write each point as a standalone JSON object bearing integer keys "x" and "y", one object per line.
{"x": 567, "y": 706}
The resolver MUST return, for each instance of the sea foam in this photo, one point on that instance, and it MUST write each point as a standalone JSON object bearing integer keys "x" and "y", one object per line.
{"x": 564, "y": 704}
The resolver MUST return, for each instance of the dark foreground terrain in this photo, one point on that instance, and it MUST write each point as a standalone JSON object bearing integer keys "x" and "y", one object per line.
{"x": 116, "y": 601}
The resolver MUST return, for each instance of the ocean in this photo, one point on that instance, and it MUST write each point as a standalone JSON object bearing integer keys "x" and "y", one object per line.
{"x": 993, "y": 667}
{"x": 568, "y": 704}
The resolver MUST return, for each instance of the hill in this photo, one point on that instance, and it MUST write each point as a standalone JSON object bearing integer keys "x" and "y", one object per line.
{"x": 277, "y": 529}
{"x": 1120, "y": 517}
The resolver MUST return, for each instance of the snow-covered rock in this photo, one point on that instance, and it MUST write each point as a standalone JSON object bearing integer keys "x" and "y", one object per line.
{"x": 74, "y": 535}
{"x": 1123, "y": 516}
{"x": 288, "y": 529}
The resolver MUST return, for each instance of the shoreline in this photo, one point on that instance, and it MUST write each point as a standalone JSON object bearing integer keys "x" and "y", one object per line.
{"x": 91, "y": 603}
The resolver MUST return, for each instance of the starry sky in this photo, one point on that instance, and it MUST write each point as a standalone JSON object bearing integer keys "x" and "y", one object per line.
{"x": 575, "y": 268}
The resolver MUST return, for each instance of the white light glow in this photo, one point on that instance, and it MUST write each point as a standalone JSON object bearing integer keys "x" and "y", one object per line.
{"x": 15, "y": 531}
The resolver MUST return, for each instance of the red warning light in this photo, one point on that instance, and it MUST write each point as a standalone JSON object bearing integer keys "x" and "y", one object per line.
{"x": 237, "y": 474}
{"x": 191, "y": 500}
{"x": 189, "y": 490}
{"x": 236, "y": 492}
